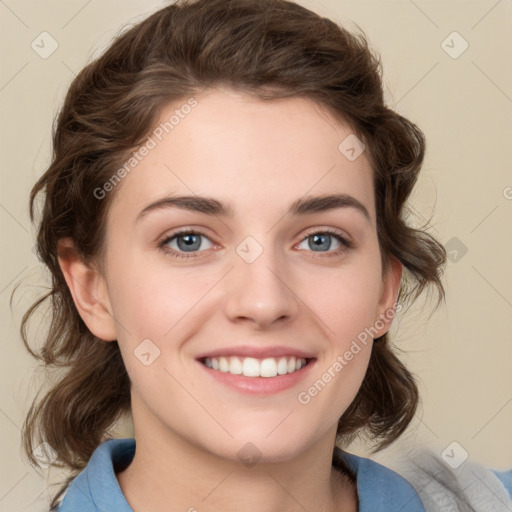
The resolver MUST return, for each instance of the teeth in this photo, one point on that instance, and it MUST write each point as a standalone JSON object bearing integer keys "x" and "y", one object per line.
{"x": 235, "y": 366}
{"x": 282, "y": 366}
{"x": 223, "y": 364}
{"x": 252, "y": 367}
{"x": 268, "y": 368}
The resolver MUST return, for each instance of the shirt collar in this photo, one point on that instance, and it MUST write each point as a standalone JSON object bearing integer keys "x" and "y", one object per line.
{"x": 379, "y": 488}
{"x": 96, "y": 488}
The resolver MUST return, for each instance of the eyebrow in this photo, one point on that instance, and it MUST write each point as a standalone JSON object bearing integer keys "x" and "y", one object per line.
{"x": 213, "y": 207}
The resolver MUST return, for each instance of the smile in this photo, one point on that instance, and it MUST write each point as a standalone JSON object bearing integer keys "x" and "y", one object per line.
{"x": 253, "y": 367}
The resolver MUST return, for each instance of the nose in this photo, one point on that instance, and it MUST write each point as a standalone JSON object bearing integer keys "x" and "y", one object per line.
{"x": 261, "y": 292}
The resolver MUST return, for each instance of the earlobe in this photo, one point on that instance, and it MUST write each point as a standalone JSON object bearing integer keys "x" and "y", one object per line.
{"x": 88, "y": 289}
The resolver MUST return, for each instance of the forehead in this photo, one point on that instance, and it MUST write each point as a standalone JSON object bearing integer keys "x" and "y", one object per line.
{"x": 248, "y": 153}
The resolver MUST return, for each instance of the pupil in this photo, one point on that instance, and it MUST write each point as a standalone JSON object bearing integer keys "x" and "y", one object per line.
{"x": 319, "y": 239}
{"x": 188, "y": 242}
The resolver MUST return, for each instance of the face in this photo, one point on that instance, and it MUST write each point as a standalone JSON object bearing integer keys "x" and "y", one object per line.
{"x": 236, "y": 311}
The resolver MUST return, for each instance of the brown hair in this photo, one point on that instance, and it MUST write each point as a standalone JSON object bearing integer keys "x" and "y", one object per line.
{"x": 270, "y": 49}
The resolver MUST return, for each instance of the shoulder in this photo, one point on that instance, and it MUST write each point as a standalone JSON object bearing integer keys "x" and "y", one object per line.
{"x": 424, "y": 481}
{"x": 505, "y": 477}
{"x": 379, "y": 488}
{"x": 468, "y": 486}
{"x": 96, "y": 488}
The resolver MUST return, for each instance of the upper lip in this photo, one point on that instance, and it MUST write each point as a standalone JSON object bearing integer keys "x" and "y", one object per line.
{"x": 257, "y": 352}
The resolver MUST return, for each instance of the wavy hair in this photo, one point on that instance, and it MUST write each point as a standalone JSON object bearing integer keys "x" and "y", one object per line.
{"x": 270, "y": 49}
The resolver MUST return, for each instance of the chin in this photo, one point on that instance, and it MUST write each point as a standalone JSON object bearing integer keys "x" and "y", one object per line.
{"x": 254, "y": 446}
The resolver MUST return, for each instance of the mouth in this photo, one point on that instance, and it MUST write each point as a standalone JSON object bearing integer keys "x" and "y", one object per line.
{"x": 256, "y": 367}
{"x": 257, "y": 370}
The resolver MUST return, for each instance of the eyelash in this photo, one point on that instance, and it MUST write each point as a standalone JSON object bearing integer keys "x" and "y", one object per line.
{"x": 345, "y": 244}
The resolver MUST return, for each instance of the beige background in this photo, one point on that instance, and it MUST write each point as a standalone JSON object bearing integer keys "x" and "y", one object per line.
{"x": 462, "y": 353}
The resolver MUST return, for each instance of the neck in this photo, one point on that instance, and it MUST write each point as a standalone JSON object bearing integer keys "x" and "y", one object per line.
{"x": 169, "y": 473}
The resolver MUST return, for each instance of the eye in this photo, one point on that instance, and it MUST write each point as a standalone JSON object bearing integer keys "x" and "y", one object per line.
{"x": 188, "y": 243}
{"x": 322, "y": 241}
{"x": 182, "y": 242}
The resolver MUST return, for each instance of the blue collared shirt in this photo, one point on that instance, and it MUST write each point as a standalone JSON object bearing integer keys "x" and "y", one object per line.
{"x": 96, "y": 488}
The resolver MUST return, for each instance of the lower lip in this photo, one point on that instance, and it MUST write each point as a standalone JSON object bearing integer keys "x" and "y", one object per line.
{"x": 260, "y": 385}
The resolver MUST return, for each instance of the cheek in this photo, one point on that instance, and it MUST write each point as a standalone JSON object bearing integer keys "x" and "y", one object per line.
{"x": 152, "y": 305}
{"x": 347, "y": 300}
{"x": 150, "y": 302}
{"x": 162, "y": 305}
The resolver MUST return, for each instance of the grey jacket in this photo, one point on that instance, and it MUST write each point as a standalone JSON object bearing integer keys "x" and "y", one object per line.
{"x": 471, "y": 487}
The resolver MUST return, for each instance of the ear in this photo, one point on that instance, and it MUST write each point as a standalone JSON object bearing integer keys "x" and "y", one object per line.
{"x": 88, "y": 289}
{"x": 386, "y": 308}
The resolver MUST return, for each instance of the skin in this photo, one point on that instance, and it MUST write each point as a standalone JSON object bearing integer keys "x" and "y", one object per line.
{"x": 259, "y": 157}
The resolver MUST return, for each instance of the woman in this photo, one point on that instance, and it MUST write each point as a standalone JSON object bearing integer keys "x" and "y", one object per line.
{"x": 223, "y": 225}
